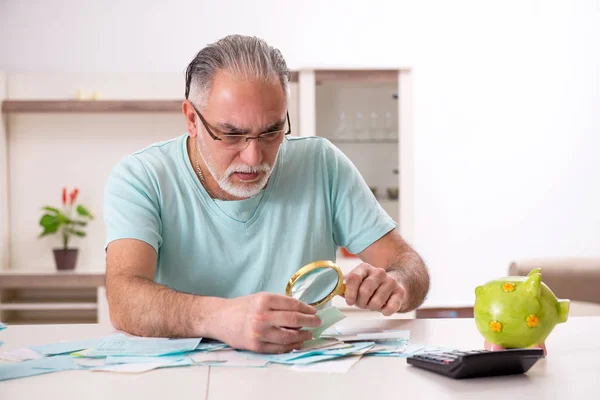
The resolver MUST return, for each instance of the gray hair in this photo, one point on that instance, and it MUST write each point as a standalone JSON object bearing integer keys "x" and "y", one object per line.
{"x": 243, "y": 56}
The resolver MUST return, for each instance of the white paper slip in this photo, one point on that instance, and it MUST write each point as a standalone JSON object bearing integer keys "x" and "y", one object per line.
{"x": 371, "y": 336}
{"x": 366, "y": 333}
{"x": 131, "y": 368}
{"x": 338, "y": 366}
{"x": 319, "y": 344}
{"x": 89, "y": 362}
{"x": 361, "y": 351}
{"x": 22, "y": 354}
{"x": 388, "y": 349}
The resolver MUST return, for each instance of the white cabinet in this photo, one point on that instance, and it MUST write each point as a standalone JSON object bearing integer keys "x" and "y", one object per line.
{"x": 52, "y": 297}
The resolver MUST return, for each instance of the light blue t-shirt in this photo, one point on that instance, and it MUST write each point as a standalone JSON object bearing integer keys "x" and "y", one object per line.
{"x": 315, "y": 202}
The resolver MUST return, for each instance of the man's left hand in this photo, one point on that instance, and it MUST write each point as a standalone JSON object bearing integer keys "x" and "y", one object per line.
{"x": 374, "y": 289}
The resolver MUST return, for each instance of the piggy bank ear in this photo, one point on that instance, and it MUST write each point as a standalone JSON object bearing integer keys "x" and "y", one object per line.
{"x": 535, "y": 271}
{"x": 533, "y": 284}
{"x": 477, "y": 290}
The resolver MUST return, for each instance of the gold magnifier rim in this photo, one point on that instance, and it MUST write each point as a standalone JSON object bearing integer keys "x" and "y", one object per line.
{"x": 340, "y": 288}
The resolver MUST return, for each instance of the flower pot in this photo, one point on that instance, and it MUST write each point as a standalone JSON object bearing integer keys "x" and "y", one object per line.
{"x": 65, "y": 259}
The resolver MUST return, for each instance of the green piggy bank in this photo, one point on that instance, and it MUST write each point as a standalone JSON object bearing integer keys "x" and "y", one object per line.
{"x": 518, "y": 311}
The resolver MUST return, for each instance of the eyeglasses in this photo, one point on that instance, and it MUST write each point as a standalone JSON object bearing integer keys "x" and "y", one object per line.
{"x": 239, "y": 142}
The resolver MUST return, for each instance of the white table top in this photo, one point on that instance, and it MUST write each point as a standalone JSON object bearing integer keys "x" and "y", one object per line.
{"x": 571, "y": 370}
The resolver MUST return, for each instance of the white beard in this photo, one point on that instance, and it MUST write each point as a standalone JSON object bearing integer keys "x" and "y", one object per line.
{"x": 241, "y": 189}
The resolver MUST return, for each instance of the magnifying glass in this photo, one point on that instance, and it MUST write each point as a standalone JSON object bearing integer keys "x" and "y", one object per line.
{"x": 316, "y": 283}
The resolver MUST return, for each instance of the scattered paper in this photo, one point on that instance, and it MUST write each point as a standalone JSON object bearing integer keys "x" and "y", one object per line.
{"x": 319, "y": 344}
{"x": 361, "y": 351}
{"x": 37, "y": 367}
{"x": 70, "y": 347}
{"x": 329, "y": 316}
{"x": 229, "y": 358}
{"x": 340, "y": 345}
{"x": 355, "y": 347}
{"x": 125, "y": 347}
{"x": 406, "y": 351}
{"x": 314, "y": 355}
{"x": 132, "y": 368}
{"x": 88, "y": 363}
{"x": 211, "y": 346}
{"x": 351, "y": 335}
{"x": 186, "y": 361}
{"x": 142, "y": 359}
{"x": 22, "y": 354}
{"x": 338, "y": 366}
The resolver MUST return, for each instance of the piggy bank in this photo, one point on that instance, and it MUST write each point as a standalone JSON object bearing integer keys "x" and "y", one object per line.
{"x": 518, "y": 311}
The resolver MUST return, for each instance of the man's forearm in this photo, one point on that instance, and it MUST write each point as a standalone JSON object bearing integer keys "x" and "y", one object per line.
{"x": 144, "y": 308}
{"x": 410, "y": 271}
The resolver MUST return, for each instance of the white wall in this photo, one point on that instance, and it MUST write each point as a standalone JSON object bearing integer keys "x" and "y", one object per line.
{"x": 507, "y": 104}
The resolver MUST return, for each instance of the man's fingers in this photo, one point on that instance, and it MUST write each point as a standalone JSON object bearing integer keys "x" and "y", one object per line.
{"x": 381, "y": 296}
{"x": 285, "y": 303}
{"x": 273, "y": 348}
{"x": 376, "y": 278}
{"x": 394, "y": 303}
{"x": 294, "y": 319}
{"x": 284, "y": 336}
{"x": 353, "y": 282}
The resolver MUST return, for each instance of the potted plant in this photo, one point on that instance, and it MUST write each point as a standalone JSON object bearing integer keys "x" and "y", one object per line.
{"x": 68, "y": 222}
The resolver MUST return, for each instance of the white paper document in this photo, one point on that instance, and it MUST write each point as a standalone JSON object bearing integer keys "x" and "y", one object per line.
{"x": 322, "y": 343}
{"x": 364, "y": 331}
{"x": 22, "y": 354}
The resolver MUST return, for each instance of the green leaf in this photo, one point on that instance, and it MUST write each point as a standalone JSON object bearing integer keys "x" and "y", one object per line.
{"x": 52, "y": 209}
{"x": 81, "y": 210}
{"x": 50, "y": 223}
{"x": 63, "y": 218}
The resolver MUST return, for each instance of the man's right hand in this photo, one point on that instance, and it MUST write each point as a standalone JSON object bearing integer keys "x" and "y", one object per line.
{"x": 265, "y": 323}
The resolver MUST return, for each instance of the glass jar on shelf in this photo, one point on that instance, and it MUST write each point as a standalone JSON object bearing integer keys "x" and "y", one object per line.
{"x": 374, "y": 131}
{"x": 343, "y": 129}
{"x": 388, "y": 127}
{"x": 360, "y": 127}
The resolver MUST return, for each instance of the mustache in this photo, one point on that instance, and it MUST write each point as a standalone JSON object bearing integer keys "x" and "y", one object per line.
{"x": 247, "y": 169}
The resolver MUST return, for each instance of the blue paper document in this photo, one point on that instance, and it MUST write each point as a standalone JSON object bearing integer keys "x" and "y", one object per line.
{"x": 37, "y": 367}
{"x": 70, "y": 347}
{"x": 131, "y": 347}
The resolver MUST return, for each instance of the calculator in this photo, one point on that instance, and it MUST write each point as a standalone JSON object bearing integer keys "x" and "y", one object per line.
{"x": 477, "y": 363}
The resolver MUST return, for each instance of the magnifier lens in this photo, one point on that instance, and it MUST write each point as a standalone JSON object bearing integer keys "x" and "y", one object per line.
{"x": 315, "y": 285}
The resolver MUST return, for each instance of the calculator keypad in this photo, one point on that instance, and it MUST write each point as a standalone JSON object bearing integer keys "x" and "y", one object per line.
{"x": 447, "y": 358}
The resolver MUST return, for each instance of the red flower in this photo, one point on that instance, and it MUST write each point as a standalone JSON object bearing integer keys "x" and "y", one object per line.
{"x": 64, "y": 196}
{"x": 74, "y": 194}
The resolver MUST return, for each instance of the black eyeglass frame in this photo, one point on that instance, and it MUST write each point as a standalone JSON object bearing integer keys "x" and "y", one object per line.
{"x": 215, "y": 137}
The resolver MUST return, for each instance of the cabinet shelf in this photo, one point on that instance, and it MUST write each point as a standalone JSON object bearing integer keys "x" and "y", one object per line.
{"x": 30, "y": 305}
{"x": 51, "y": 296}
{"x": 91, "y": 106}
{"x": 356, "y": 75}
